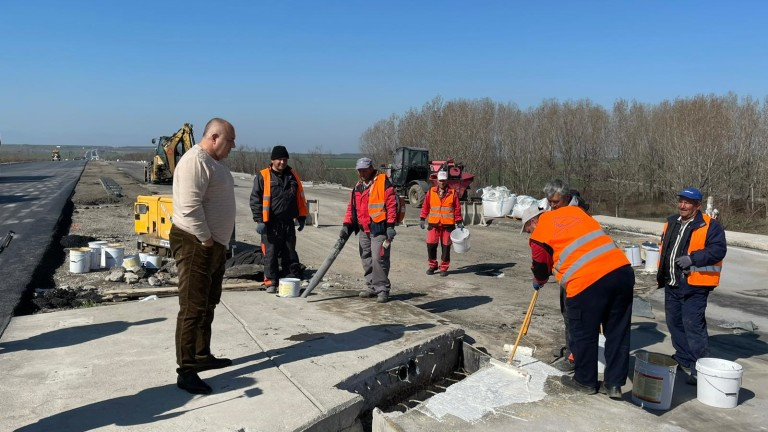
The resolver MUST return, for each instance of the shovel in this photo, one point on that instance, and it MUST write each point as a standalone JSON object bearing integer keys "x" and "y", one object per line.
{"x": 524, "y": 327}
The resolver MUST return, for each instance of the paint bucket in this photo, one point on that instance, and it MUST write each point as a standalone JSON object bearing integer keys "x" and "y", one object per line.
{"x": 79, "y": 260}
{"x": 718, "y": 382}
{"x": 633, "y": 255}
{"x": 143, "y": 257}
{"x": 460, "y": 240}
{"x": 654, "y": 380}
{"x": 131, "y": 261}
{"x": 651, "y": 260}
{"x": 96, "y": 253}
{"x": 289, "y": 287}
{"x": 153, "y": 262}
{"x": 112, "y": 255}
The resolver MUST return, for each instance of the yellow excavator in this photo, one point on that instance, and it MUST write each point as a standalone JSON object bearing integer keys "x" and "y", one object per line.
{"x": 167, "y": 154}
{"x": 56, "y": 154}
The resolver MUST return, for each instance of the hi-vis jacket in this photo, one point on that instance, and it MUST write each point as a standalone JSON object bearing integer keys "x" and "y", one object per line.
{"x": 445, "y": 211}
{"x": 372, "y": 208}
{"x": 704, "y": 242}
{"x": 581, "y": 252}
{"x": 281, "y": 197}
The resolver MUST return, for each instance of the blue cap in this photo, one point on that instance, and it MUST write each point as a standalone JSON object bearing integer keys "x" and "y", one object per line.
{"x": 690, "y": 193}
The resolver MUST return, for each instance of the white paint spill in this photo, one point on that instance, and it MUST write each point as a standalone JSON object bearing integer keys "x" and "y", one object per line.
{"x": 488, "y": 389}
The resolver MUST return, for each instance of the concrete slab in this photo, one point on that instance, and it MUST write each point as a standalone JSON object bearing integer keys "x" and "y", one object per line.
{"x": 299, "y": 364}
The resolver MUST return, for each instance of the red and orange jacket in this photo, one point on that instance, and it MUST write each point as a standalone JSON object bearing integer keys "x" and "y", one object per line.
{"x": 445, "y": 211}
{"x": 375, "y": 206}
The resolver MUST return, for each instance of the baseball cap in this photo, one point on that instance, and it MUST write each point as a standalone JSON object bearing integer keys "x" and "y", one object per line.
{"x": 530, "y": 213}
{"x": 364, "y": 163}
{"x": 442, "y": 175}
{"x": 690, "y": 193}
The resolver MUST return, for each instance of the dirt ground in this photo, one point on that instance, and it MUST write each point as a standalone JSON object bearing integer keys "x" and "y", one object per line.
{"x": 487, "y": 291}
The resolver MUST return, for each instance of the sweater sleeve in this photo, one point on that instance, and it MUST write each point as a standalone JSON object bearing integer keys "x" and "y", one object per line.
{"x": 542, "y": 262}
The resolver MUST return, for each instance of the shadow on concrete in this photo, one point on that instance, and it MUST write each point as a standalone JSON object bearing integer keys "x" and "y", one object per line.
{"x": 145, "y": 407}
{"x": 483, "y": 269}
{"x": 644, "y": 334}
{"x": 454, "y": 303}
{"x": 70, "y": 336}
{"x": 10, "y": 199}
{"x": 317, "y": 345}
{"x": 406, "y": 296}
{"x": 734, "y": 347}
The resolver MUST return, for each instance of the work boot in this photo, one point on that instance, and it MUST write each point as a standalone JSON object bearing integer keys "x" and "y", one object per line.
{"x": 431, "y": 271}
{"x": 271, "y": 289}
{"x": 613, "y": 392}
{"x": 691, "y": 380}
{"x": 189, "y": 381}
{"x": 564, "y": 364}
{"x": 382, "y": 297}
{"x": 367, "y": 293}
{"x": 443, "y": 273}
{"x": 211, "y": 362}
{"x": 568, "y": 381}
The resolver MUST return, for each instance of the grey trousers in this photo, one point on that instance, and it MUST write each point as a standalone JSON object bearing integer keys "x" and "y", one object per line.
{"x": 375, "y": 266}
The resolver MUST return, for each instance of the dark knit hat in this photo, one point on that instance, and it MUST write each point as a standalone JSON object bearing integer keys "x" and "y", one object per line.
{"x": 279, "y": 152}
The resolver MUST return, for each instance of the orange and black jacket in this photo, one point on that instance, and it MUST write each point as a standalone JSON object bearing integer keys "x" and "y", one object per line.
{"x": 704, "y": 241}
{"x": 281, "y": 198}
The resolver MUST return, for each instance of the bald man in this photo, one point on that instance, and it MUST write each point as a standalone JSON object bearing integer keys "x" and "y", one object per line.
{"x": 203, "y": 221}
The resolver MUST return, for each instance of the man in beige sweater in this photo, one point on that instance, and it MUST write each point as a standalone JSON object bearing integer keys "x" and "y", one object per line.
{"x": 203, "y": 220}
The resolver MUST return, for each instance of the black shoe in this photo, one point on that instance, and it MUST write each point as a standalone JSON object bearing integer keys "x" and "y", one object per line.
{"x": 367, "y": 293}
{"x": 431, "y": 271}
{"x": 271, "y": 289}
{"x": 189, "y": 381}
{"x": 568, "y": 381}
{"x": 382, "y": 297}
{"x": 564, "y": 365}
{"x": 613, "y": 392}
{"x": 691, "y": 380}
{"x": 443, "y": 273}
{"x": 211, "y": 363}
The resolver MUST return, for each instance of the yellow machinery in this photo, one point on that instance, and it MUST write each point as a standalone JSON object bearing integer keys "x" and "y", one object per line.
{"x": 152, "y": 222}
{"x": 167, "y": 154}
{"x": 56, "y": 154}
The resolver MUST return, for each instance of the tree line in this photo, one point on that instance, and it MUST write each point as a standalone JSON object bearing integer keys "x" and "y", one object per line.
{"x": 633, "y": 152}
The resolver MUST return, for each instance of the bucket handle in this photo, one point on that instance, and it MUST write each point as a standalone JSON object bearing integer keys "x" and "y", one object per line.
{"x": 715, "y": 387}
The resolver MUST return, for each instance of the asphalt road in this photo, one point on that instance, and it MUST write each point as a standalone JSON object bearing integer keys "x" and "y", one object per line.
{"x": 32, "y": 197}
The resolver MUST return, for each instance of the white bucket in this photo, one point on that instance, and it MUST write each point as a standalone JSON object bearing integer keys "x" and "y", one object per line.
{"x": 460, "y": 240}
{"x": 718, "y": 382}
{"x": 654, "y": 380}
{"x": 112, "y": 255}
{"x": 651, "y": 260}
{"x": 131, "y": 261}
{"x": 633, "y": 255}
{"x": 79, "y": 260}
{"x": 96, "y": 253}
{"x": 289, "y": 287}
{"x": 153, "y": 262}
{"x": 143, "y": 257}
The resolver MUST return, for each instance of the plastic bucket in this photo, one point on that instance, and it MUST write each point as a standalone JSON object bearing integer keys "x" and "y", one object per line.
{"x": 96, "y": 253}
{"x": 460, "y": 240}
{"x": 131, "y": 261}
{"x": 153, "y": 262}
{"x": 289, "y": 287}
{"x": 143, "y": 257}
{"x": 633, "y": 255}
{"x": 112, "y": 255}
{"x": 654, "y": 380}
{"x": 651, "y": 260}
{"x": 718, "y": 382}
{"x": 79, "y": 260}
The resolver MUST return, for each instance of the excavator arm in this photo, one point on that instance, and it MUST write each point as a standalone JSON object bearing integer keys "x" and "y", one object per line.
{"x": 168, "y": 152}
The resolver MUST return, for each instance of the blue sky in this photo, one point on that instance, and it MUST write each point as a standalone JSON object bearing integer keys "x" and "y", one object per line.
{"x": 310, "y": 74}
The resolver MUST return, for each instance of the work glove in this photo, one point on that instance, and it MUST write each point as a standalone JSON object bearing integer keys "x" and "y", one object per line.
{"x": 422, "y": 224}
{"x": 391, "y": 233}
{"x": 302, "y": 221}
{"x": 535, "y": 285}
{"x": 460, "y": 226}
{"x": 684, "y": 261}
{"x": 261, "y": 227}
{"x": 346, "y": 231}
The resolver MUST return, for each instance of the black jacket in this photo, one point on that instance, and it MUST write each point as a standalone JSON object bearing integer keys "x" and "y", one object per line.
{"x": 283, "y": 190}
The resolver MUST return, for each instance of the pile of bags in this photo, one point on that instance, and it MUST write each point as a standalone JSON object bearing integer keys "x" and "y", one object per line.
{"x": 500, "y": 202}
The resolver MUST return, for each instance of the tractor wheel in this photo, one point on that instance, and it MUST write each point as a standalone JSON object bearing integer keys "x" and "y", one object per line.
{"x": 416, "y": 196}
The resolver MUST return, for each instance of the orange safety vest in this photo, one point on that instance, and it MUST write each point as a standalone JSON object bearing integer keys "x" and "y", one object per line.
{"x": 376, "y": 199}
{"x": 699, "y": 276}
{"x": 582, "y": 252}
{"x": 441, "y": 211}
{"x": 266, "y": 173}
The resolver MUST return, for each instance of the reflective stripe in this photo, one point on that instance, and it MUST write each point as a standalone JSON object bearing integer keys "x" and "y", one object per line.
{"x": 586, "y": 238}
{"x": 375, "y": 206}
{"x": 581, "y": 262}
{"x": 714, "y": 269}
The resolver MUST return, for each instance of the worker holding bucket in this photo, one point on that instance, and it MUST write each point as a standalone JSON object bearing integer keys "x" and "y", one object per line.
{"x": 442, "y": 213}
{"x": 692, "y": 250}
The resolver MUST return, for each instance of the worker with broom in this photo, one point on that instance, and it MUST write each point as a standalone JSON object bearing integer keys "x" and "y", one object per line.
{"x": 598, "y": 281}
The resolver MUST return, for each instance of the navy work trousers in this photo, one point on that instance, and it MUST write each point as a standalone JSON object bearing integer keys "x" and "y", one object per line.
{"x": 608, "y": 302}
{"x": 685, "y": 307}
